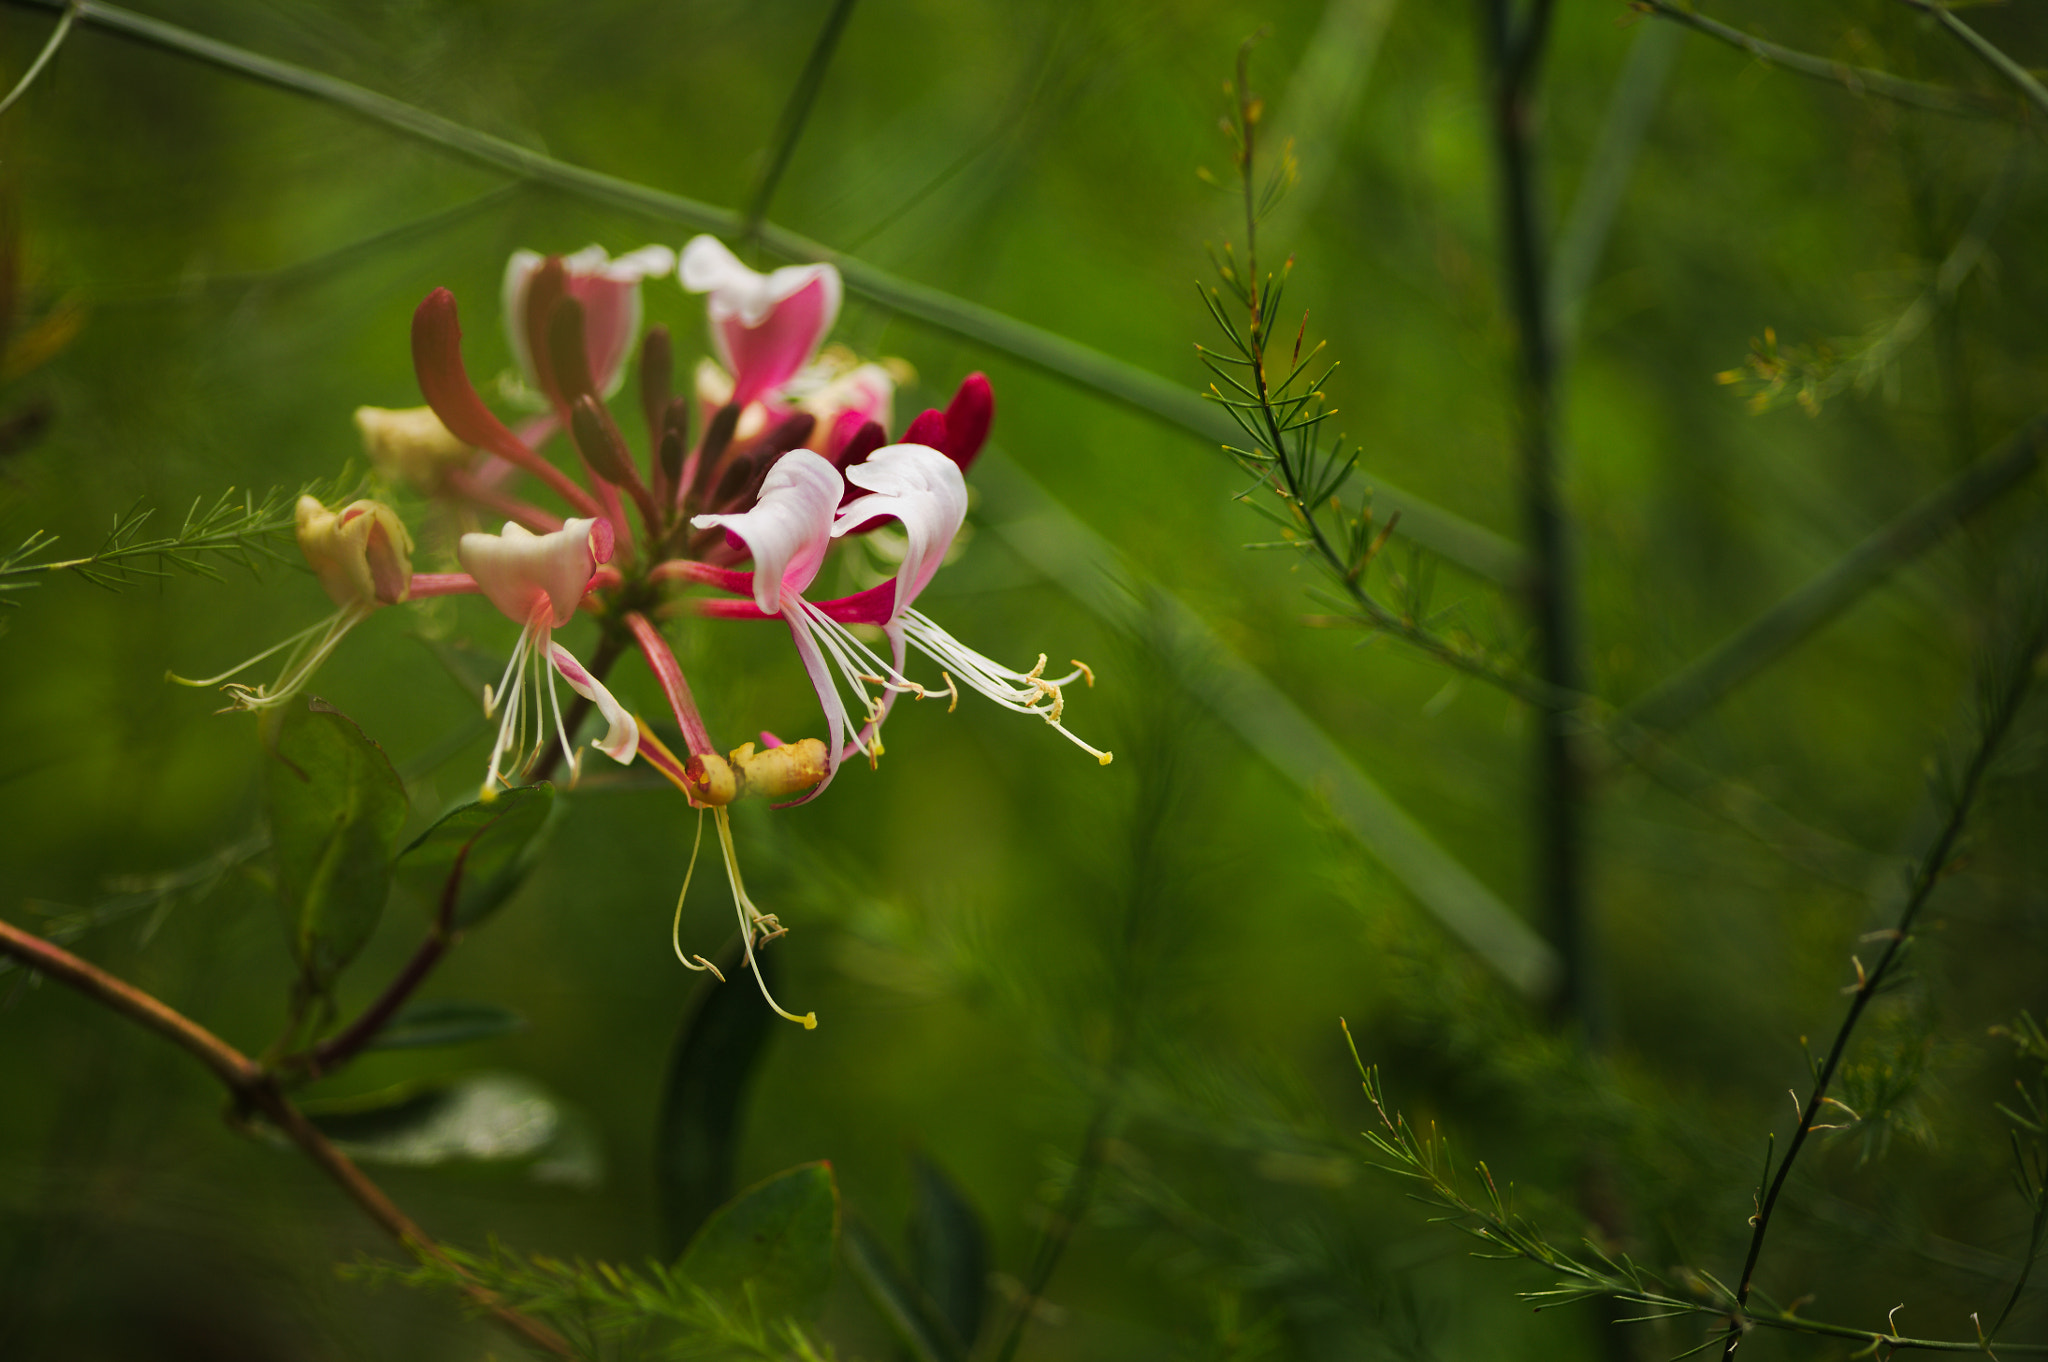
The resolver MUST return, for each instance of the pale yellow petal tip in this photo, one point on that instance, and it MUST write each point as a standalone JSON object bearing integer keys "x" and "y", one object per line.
{"x": 1105, "y": 759}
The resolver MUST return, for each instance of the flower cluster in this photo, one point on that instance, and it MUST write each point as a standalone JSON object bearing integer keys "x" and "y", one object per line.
{"x": 791, "y": 452}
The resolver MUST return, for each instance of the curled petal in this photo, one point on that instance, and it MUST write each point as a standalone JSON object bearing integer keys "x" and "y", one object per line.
{"x": 920, "y": 487}
{"x": 622, "y": 734}
{"x": 765, "y": 326}
{"x": 790, "y": 526}
{"x": 524, "y": 573}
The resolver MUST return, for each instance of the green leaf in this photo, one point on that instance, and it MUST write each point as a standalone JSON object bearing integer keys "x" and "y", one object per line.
{"x": 770, "y": 1248}
{"x": 696, "y": 1131}
{"x": 948, "y": 1249}
{"x": 335, "y": 808}
{"x": 505, "y": 837}
{"x": 909, "y": 1311}
{"x": 424, "y": 1025}
{"x": 481, "y": 1116}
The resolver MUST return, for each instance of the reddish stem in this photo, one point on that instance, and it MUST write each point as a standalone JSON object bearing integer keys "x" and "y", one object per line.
{"x": 670, "y": 673}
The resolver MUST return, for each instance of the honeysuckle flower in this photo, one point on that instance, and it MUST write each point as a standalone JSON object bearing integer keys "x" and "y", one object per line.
{"x": 362, "y": 555}
{"x": 924, "y": 490}
{"x": 537, "y": 581}
{"x": 765, "y": 327}
{"x": 788, "y": 532}
{"x": 609, "y": 291}
{"x": 410, "y": 446}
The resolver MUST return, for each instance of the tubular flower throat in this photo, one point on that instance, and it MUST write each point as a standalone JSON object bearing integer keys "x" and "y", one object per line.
{"x": 537, "y": 581}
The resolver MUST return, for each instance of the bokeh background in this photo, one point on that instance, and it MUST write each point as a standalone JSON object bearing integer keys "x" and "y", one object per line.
{"x": 971, "y": 920}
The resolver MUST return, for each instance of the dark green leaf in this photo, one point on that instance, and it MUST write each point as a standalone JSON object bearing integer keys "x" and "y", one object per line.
{"x": 696, "y": 1132}
{"x": 482, "y": 1116}
{"x": 770, "y": 1248}
{"x": 422, "y": 1025}
{"x": 335, "y": 807}
{"x": 505, "y": 836}
{"x": 917, "y": 1322}
{"x": 948, "y": 1249}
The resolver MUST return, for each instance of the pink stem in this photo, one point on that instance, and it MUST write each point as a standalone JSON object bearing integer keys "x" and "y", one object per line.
{"x": 425, "y": 584}
{"x": 667, "y": 671}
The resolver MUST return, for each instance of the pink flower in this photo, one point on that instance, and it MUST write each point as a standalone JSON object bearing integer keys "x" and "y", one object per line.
{"x": 788, "y": 531}
{"x": 607, "y": 289}
{"x": 537, "y": 581}
{"x": 765, "y": 327}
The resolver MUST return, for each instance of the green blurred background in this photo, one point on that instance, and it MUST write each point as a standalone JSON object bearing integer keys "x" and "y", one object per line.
{"x": 248, "y": 261}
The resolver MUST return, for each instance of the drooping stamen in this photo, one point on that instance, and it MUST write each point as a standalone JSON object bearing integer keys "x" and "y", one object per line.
{"x": 752, "y": 919}
{"x": 308, "y": 649}
{"x": 675, "y": 932}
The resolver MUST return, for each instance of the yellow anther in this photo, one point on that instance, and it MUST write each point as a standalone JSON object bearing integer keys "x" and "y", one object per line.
{"x": 1087, "y": 673}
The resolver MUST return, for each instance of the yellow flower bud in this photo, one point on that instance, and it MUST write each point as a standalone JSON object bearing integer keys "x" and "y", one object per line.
{"x": 361, "y": 553}
{"x": 410, "y": 446}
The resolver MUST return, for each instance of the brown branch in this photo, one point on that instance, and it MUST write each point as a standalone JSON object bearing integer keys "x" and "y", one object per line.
{"x": 254, "y": 1087}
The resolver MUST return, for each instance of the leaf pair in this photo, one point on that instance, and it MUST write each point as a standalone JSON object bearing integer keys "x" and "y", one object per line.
{"x": 336, "y": 807}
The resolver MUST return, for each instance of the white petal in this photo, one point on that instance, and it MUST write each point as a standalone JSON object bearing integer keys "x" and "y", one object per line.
{"x": 649, "y": 262}
{"x": 518, "y": 569}
{"x": 622, "y": 735}
{"x": 920, "y": 487}
{"x": 790, "y": 527}
{"x": 739, "y": 292}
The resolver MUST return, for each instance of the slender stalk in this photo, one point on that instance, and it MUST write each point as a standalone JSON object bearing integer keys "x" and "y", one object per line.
{"x": 254, "y": 1087}
{"x": 1514, "y": 52}
{"x": 1052, "y": 1244}
{"x": 1702, "y": 682}
{"x": 1986, "y": 51}
{"x": 35, "y": 68}
{"x": 343, "y": 1046}
{"x": 2002, "y": 709}
{"x": 662, "y": 661}
{"x": 1857, "y": 79}
{"x": 1471, "y": 546}
{"x": 789, "y": 129}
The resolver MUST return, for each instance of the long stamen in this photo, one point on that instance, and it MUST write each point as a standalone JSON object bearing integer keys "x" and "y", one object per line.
{"x": 675, "y": 931}
{"x": 271, "y": 651}
{"x": 752, "y": 918}
{"x": 508, "y": 726}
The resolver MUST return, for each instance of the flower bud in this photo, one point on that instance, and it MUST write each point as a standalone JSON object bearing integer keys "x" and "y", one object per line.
{"x": 410, "y": 446}
{"x": 361, "y": 554}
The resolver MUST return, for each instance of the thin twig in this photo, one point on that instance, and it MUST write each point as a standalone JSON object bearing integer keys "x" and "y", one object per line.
{"x": 35, "y": 68}
{"x": 1857, "y": 79}
{"x": 1514, "y": 51}
{"x": 1989, "y": 53}
{"x": 789, "y": 128}
{"x": 254, "y": 1087}
{"x": 1702, "y": 682}
{"x": 2002, "y": 709}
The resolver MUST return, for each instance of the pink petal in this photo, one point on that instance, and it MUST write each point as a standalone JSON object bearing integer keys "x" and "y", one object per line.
{"x": 968, "y": 417}
{"x": 622, "y": 735}
{"x": 768, "y": 355}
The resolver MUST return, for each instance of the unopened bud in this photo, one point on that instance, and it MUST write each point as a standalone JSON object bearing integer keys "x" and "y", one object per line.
{"x": 599, "y": 441}
{"x": 675, "y": 438}
{"x": 361, "y": 554}
{"x": 410, "y": 446}
{"x": 657, "y": 379}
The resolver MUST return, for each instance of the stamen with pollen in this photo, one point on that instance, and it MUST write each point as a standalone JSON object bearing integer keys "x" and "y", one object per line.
{"x": 1029, "y": 692}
